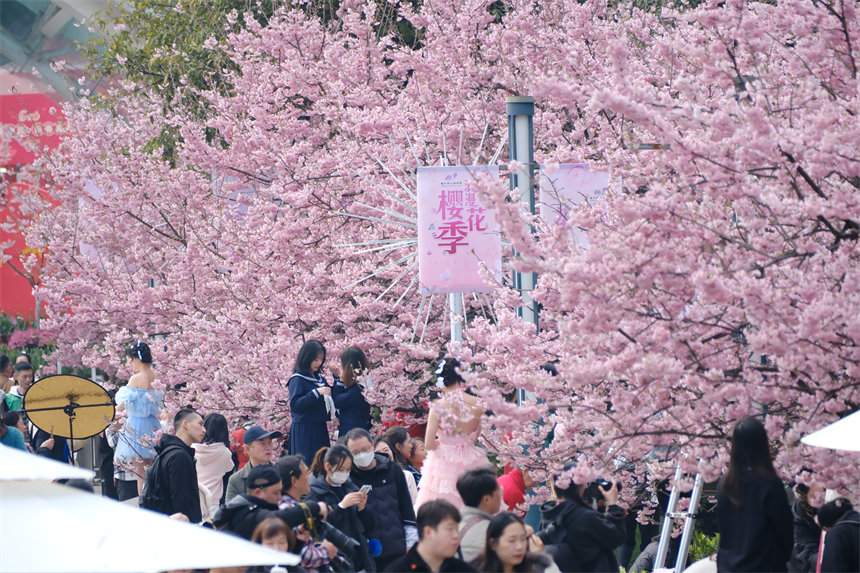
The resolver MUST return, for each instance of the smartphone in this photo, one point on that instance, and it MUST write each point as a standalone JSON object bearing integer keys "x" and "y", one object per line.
{"x": 365, "y": 489}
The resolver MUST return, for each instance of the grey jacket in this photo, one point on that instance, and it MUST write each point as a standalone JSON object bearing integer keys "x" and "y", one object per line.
{"x": 236, "y": 483}
{"x": 473, "y": 532}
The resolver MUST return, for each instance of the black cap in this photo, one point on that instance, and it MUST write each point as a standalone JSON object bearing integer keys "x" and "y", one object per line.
{"x": 262, "y": 476}
{"x": 258, "y": 433}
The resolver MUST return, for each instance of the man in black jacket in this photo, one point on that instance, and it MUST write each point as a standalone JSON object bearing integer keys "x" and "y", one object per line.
{"x": 389, "y": 500}
{"x": 176, "y": 470}
{"x": 438, "y": 522}
{"x": 246, "y": 510}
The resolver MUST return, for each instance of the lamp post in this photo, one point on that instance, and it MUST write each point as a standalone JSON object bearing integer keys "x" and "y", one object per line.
{"x": 521, "y": 110}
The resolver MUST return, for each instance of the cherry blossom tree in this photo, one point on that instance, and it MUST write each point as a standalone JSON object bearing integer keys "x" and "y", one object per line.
{"x": 721, "y": 280}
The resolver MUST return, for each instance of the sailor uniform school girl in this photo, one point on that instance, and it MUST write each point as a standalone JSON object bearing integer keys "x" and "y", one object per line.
{"x": 311, "y": 405}
{"x": 353, "y": 411}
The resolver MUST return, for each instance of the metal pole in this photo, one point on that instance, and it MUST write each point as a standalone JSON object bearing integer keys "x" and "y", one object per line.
{"x": 666, "y": 530}
{"x": 687, "y": 536}
{"x": 520, "y": 110}
{"x": 455, "y": 308}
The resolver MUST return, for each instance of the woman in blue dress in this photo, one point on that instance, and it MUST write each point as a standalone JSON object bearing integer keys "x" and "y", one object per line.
{"x": 311, "y": 405}
{"x": 353, "y": 411}
{"x": 142, "y": 404}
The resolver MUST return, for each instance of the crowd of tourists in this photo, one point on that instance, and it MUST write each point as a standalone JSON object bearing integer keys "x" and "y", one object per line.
{"x": 388, "y": 501}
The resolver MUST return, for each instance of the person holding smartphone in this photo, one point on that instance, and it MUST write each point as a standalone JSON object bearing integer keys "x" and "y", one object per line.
{"x": 348, "y": 503}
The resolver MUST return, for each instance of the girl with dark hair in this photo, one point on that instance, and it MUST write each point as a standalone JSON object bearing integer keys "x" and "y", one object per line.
{"x": 142, "y": 404}
{"x": 273, "y": 532}
{"x": 353, "y": 411}
{"x": 311, "y": 405}
{"x": 507, "y": 548}
{"x": 397, "y": 438}
{"x": 332, "y": 485}
{"x": 456, "y": 417}
{"x": 586, "y": 538}
{"x": 417, "y": 453}
{"x": 11, "y": 436}
{"x": 754, "y": 517}
{"x": 214, "y": 458}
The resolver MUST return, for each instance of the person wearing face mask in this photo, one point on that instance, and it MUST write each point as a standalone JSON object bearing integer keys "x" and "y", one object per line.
{"x": 349, "y": 511}
{"x": 389, "y": 500}
{"x": 353, "y": 411}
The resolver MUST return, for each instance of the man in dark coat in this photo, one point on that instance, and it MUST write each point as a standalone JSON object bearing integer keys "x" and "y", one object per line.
{"x": 177, "y": 472}
{"x": 438, "y": 528}
{"x": 842, "y": 542}
{"x": 389, "y": 501}
{"x": 242, "y": 514}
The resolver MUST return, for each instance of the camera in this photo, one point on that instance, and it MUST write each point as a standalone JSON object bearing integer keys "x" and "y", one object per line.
{"x": 345, "y": 544}
{"x": 592, "y": 492}
{"x": 321, "y": 530}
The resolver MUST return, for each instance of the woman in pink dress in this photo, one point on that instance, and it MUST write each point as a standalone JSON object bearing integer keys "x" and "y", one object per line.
{"x": 453, "y": 427}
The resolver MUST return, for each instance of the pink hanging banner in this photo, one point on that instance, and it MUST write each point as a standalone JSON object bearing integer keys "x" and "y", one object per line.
{"x": 457, "y": 235}
{"x": 567, "y": 186}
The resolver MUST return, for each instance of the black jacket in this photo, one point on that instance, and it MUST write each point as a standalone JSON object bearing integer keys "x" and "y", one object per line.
{"x": 177, "y": 467}
{"x": 758, "y": 535}
{"x": 389, "y": 502}
{"x": 807, "y": 534}
{"x": 245, "y": 511}
{"x": 412, "y": 562}
{"x": 842, "y": 545}
{"x": 589, "y": 538}
{"x": 350, "y": 521}
{"x": 353, "y": 411}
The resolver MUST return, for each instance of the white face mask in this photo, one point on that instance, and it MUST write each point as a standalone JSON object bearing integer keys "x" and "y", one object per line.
{"x": 363, "y": 459}
{"x": 339, "y": 478}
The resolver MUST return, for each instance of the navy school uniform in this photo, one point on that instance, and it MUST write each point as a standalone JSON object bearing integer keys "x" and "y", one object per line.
{"x": 353, "y": 411}
{"x": 308, "y": 432}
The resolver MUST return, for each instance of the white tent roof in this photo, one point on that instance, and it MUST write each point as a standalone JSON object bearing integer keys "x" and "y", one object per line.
{"x": 843, "y": 434}
{"x": 73, "y": 531}
{"x": 20, "y": 465}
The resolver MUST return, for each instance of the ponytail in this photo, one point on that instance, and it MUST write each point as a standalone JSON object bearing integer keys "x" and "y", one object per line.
{"x": 318, "y": 464}
{"x": 334, "y": 456}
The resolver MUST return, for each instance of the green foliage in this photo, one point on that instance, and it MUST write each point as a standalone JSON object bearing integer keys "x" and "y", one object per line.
{"x": 702, "y": 546}
{"x": 9, "y": 324}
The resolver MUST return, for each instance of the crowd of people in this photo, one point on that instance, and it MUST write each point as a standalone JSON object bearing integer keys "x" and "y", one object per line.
{"x": 394, "y": 502}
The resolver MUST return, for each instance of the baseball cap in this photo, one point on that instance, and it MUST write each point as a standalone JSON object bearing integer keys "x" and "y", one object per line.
{"x": 258, "y": 433}
{"x": 262, "y": 476}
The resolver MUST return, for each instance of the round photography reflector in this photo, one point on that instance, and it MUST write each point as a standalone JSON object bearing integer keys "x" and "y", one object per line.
{"x": 69, "y": 406}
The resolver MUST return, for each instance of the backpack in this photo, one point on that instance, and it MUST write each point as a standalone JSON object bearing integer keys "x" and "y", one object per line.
{"x": 156, "y": 494}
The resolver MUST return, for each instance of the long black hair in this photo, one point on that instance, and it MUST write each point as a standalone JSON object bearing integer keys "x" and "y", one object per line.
{"x": 139, "y": 350}
{"x": 352, "y": 361}
{"x": 489, "y": 561}
{"x": 750, "y": 456}
{"x": 307, "y": 354}
{"x": 216, "y": 430}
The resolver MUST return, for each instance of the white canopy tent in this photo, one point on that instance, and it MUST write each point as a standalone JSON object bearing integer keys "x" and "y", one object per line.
{"x": 21, "y": 465}
{"x": 74, "y": 531}
{"x": 843, "y": 434}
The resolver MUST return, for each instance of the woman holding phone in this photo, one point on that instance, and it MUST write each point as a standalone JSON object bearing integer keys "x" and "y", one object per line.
{"x": 332, "y": 485}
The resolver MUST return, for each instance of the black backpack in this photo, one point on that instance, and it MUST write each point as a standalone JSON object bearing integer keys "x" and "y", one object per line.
{"x": 156, "y": 494}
